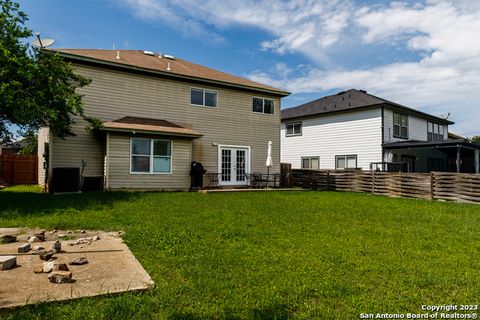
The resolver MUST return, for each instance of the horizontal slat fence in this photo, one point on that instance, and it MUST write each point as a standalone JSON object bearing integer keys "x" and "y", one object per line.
{"x": 459, "y": 187}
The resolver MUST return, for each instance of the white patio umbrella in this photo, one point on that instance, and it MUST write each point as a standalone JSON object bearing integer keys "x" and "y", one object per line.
{"x": 268, "y": 163}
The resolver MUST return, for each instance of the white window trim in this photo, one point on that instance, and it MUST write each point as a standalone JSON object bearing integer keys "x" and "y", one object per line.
{"x": 263, "y": 105}
{"x": 345, "y": 156}
{"x": 204, "y": 90}
{"x": 151, "y": 157}
{"x": 294, "y": 134}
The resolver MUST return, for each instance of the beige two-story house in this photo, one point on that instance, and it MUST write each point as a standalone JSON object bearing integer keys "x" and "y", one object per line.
{"x": 159, "y": 114}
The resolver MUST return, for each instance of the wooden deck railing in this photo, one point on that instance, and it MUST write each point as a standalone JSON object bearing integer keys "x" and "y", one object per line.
{"x": 459, "y": 187}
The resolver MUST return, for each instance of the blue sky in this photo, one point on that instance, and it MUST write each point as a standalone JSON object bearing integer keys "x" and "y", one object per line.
{"x": 424, "y": 54}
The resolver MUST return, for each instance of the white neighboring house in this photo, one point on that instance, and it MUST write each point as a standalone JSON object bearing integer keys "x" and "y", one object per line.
{"x": 356, "y": 130}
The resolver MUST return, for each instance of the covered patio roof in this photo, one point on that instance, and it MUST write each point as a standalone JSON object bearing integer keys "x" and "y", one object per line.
{"x": 455, "y": 143}
{"x": 149, "y": 126}
{"x": 453, "y": 147}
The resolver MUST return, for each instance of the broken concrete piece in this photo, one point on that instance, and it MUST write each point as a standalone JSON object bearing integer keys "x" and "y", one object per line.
{"x": 40, "y": 235}
{"x": 48, "y": 266}
{"x": 95, "y": 238}
{"x": 62, "y": 235}
{"x": 8, "y": 238}
{"x": 34, "y": 239}
{"x": 46, "y": 255}
{"x": 60, "y": 277}
{"x": 37, "y": 252}
{"x": 24, "y": 248}
{"x": 37, "y": 248}
{"x": 38, "y": 269}
{"x": 7, "y": 262}
{"x": 57, "y": 246}
{"x": 79, "y": 261}
{"x": 54, "y": 266}
{"x": 60, "y": 267}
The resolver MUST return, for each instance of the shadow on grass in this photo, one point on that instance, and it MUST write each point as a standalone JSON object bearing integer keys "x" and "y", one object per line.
{"x": 37, "y": 204}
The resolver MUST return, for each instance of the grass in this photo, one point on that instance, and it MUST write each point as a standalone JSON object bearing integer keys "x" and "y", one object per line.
{"x": 272, "y": 255}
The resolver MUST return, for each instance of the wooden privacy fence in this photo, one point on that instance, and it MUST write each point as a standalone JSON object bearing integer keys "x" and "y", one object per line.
{"x": 460, "y": 187}
{"x": 18, "y": 169}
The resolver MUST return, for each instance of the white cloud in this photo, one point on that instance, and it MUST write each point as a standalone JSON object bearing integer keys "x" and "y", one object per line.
{"x": 442, "y": 72}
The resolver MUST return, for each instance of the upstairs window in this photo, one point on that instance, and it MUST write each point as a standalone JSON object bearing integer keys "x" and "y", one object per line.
{"x": 435, "y": 132}
{"x": 400, "y": 125}
{"x": 293, "y": 129}
{"x": 262, "y": 105}
{"x": 203, "y": 97}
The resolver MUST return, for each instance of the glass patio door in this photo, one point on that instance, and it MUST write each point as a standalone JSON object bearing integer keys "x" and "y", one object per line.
{"x": 233, "y": 166}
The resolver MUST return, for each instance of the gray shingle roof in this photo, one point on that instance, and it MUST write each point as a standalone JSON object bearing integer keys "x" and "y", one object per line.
{"x": 349, "y": 100}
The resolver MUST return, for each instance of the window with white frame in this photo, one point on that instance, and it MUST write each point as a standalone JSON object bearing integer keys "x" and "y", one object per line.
{"x": 310, "y": 163}
{"x": 151, "y": 156}
{"x": 262, "y": 105}
{"x": 400, "y": 125}
{"x": 293, "y": 129}
{"x": 435, "y": 132}
{"x": 203, "y": 97}
{"x": 346, "y": 162}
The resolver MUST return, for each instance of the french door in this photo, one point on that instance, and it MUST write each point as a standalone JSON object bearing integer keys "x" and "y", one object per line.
{"x": 234, "y": 164}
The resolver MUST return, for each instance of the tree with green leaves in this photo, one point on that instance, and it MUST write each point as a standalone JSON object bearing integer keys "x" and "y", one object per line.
{"x": 37, "y": 87}
{"x": 476, "y": 139}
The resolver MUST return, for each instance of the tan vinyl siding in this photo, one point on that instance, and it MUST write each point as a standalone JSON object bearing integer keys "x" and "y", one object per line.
{"x": 70, "y": 152}
{"x": 119, "y": 176}
{"x": 116, "y": 94}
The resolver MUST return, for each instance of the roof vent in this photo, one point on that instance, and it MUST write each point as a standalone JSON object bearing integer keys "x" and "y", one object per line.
{"x": 364, "y": 91}
{"x": 168, "y": 67}
{"x": 149, "y": 53}
{"x": 118, "y": 55}
{"x": 169, "y": 56}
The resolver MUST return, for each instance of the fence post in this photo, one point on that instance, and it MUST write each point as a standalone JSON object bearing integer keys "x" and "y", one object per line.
{"x": 432, "y": 181}
{"x": 373, "y": 181}
{"x": 328, "y": 180}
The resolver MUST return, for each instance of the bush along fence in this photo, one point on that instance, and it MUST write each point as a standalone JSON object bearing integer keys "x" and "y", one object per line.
{"x": 459, "y": 187}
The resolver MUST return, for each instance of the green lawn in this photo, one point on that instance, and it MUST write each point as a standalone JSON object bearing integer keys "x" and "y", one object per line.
{"x": 271, "y": 255}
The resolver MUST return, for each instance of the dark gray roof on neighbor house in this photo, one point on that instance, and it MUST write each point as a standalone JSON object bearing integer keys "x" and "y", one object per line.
{"x": 350, "y": 100}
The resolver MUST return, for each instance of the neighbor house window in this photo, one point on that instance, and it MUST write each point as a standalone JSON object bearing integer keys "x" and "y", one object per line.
{"x": 435, "y": 132}
{"x": 203, "y": 97}
{"x": 400, "y": 125}
{"x": 151, "y": 156}
{"x": 293, "y": 129}
{"x": 262, "y": 105}
{"x": 346, "y": 162}
{"x": 310, "y": 163}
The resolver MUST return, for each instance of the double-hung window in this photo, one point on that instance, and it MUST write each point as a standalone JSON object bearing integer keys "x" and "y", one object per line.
{"x": 262, "y": 105}
{"x": 310, "y": 163}
{"x": 293, "y": 129}
{"x": 151, "y": 156}
{"x": 346, "y": 162}
{"x": 203, "y": 97}
{"x": 435, "y": 131}
{"x": 400, "y": 125}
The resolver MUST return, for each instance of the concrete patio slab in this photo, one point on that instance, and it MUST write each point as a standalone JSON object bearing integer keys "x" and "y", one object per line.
{"x": 111, "y": 268}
